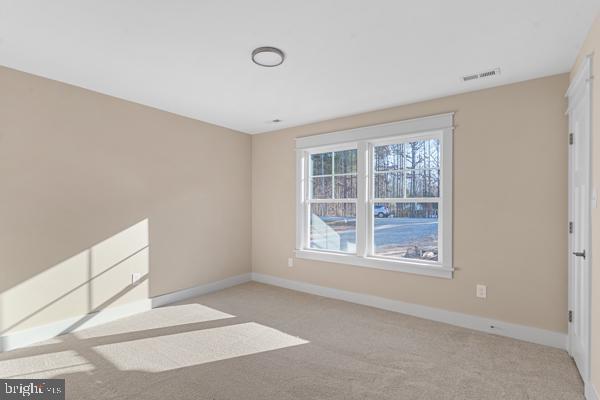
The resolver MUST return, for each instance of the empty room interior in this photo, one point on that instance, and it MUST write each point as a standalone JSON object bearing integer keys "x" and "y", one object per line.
{"x": 300, "y": 199}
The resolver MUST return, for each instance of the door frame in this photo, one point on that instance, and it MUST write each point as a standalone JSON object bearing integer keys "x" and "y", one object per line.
{"x": 580, "y": 90}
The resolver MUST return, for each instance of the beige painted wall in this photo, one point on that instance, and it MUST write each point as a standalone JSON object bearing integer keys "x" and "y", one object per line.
{"x": 592, "y": 46}
{"x": 95, "y": 188}
{"x": 510, "y": 207}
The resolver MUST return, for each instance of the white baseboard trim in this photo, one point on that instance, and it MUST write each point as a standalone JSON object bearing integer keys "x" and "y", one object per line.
{"x": 28, "y": 337}
{"x": 521, "y": 332}
{"x": 31, "y": 336}
{"x": 199, "y": 290}
{"x": 591, "y": 393}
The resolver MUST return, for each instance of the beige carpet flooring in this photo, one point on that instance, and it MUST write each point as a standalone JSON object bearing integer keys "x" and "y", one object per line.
{"x": 256, "y": 341}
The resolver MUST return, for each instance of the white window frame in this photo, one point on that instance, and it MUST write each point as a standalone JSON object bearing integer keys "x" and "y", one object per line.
{"x": 364, "y": 139}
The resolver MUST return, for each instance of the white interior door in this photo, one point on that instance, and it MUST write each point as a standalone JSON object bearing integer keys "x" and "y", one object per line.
{"x": 579, "y": 111}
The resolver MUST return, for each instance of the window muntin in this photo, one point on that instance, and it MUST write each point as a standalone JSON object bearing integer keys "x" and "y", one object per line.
{"x": 404, "y": 200}
{"x": 332, "y": 200}
{"x": 419, "y": 174}
{"x": 333, "y": 175}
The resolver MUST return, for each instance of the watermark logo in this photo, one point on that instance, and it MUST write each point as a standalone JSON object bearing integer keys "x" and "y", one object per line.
{"x": 39, "y": 389}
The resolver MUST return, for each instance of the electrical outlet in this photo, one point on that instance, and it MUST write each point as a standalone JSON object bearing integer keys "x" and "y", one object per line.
{"x": 290, "y": 262}
{"x": 135, "y": 277}
{"x": 481, "y": 291}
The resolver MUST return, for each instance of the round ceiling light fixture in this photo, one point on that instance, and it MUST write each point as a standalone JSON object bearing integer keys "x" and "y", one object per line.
{"x": 267, "y": 56}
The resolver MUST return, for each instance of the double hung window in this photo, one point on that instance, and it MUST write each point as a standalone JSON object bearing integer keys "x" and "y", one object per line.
{"x": 379, "y": 196}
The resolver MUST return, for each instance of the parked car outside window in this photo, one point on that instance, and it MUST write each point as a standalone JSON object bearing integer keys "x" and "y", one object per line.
{"x": 381, "y": 211}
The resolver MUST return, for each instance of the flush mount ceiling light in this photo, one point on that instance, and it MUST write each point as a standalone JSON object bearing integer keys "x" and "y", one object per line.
{"x": 267, "y": 56}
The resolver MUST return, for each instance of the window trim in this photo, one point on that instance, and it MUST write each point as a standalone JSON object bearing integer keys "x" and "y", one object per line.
{"x": 364, "y": 139}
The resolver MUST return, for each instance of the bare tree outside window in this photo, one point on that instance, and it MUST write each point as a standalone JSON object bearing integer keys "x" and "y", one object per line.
{"x": 406, "y": 192}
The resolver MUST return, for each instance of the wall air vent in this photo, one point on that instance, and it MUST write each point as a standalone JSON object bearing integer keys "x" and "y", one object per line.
{"x": 485, "y": 74}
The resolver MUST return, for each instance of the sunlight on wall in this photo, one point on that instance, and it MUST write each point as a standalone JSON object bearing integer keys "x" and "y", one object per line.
{"x": 94, "y": 279}
{"x": 129, "y": 252}
{"x": 54, "y": 294}
{"x": 195, "y": 347}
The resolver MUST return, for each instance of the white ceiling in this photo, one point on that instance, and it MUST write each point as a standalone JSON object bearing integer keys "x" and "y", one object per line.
{"x": 343, "y": 56}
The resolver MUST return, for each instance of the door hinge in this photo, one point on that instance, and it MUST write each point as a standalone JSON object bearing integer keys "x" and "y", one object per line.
{"x": 570, "y": 316}
{"x": 570, "y": 227}
{"x": 570, "y": 138}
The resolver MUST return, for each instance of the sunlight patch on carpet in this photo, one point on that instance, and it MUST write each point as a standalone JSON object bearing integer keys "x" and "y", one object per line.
{"x": 163, "y": 317}
{"x": 186, "y": 349}
{"x": 44, "y": 365}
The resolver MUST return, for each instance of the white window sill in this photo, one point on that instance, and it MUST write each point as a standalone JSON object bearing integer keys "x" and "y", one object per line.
{"x": 412, "y": 267}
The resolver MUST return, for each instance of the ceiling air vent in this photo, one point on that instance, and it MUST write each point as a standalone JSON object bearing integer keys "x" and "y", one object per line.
{"x": 485, "y": 74}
